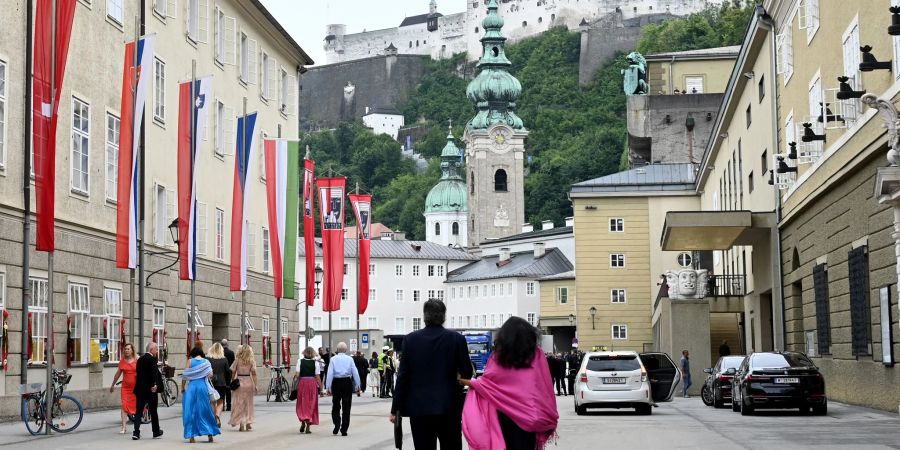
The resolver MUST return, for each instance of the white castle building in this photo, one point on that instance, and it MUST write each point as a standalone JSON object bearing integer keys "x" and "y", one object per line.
{"x": 441, "y": 36}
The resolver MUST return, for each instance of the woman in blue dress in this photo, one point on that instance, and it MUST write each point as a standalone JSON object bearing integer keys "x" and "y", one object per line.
{"x": 197, "y": 413}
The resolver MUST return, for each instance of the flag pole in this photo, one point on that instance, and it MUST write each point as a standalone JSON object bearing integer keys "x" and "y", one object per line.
{"x": 243, "y": 291}
{"x": 134, "y": 77}
{"x": 358, "y": 268}
{"x": 278, "y": 315}
{"x": 26, "y": 191}
{"x": 193, "y": 313}
{"x": 48, "y": 347}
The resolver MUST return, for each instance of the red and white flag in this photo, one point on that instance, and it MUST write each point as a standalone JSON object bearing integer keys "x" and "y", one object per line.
{"x": 362, "y": 208}
{"x": 331, "y": 210}
{"x": 49, "y": 66}
{"x": 134, "y": 97}
{"x": 193, "y": 104}
{"x": 309, "y": 228}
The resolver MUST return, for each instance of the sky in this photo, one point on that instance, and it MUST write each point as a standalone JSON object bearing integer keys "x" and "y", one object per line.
{"x": 305, "y": 20}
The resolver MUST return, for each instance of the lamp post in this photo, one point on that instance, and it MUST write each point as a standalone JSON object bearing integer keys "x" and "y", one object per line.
{"x": 593, "y": 312}
{"x": 572, "y": 319}
{"x": 318, "y": 280}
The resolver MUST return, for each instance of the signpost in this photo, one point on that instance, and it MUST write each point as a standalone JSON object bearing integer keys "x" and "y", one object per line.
{"x": 365, "y": 340}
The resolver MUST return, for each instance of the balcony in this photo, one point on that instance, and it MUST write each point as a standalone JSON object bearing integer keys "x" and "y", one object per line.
{"x": 716, "y": 286}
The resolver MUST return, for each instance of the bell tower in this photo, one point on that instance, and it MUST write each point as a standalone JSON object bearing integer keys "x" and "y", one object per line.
{"x": 495, "y": 138}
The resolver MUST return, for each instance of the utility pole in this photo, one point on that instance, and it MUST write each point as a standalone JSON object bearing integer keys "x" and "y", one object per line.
{"x": 26, "y": 190}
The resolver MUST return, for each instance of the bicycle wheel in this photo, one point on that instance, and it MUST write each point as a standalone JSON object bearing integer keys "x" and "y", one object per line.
{"x": 32, "y": 415}
{"x": 67, "y": 414}
{"x": 170, "y": 396}
{"x": 271, "y": 390}
{"x": 283, "y": 389}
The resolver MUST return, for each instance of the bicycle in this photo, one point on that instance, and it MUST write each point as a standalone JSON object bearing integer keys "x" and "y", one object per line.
{"x": 278, "y": 385}
{"x": 66, "y": 413}
{"x": 170, "y": 387}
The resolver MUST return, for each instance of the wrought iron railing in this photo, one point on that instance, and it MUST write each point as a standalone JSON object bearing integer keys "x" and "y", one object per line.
{"x": 726, "y": 286}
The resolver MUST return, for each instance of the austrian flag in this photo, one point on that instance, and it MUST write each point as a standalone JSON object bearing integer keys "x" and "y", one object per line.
{"x": 282, "y": 187}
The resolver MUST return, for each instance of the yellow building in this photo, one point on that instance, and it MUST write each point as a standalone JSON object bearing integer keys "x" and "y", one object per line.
{"x": 558, "y": 311}
{"x": 703, "y": 71}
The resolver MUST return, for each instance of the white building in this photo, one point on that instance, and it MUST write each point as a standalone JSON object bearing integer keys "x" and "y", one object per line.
{"x": 384, "y": 120}
{"x": 562, "y": 238}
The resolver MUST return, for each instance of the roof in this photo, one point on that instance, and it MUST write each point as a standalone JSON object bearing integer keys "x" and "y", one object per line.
{"x": 376, "y": 230}
{"x": 265, "y": 12}
{"x": 730, "y": 52}
{"x": 652, "y": 178}
{"x": 570, "y": 275}
{"x": 388, "y": 110}
{"x": 417, "y": 19}
{"x": 520, "y": 265}
{"x": 531, "y": 234}
{"x": 396, "y": 250}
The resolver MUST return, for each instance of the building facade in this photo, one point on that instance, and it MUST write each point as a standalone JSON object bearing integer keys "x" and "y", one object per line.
{"x": 447, "y": 206}
{"x": 558, "y": 308}
{"x": 249, "y": 56}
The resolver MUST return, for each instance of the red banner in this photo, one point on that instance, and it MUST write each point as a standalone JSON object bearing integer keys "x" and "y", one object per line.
{"x": 309, "y": 229}
{"x": 362, "y": 208}
{"x": 331, "y": 211}
{"x": 49, "y": 67}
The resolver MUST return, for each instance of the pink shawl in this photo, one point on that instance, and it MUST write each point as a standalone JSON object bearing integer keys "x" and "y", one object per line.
{"x": 523, "y": 395}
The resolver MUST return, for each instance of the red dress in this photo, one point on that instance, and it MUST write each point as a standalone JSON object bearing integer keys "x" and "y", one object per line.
{"x": 129, "y": 377}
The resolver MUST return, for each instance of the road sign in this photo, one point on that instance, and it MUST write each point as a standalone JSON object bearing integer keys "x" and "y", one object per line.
{"x": 365, "y": 340}
{"x": 353, "y": 345}
{"x": 310, "y": 333}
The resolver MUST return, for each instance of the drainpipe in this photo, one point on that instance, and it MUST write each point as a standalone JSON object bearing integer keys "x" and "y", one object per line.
{"x": 778, "y": 329}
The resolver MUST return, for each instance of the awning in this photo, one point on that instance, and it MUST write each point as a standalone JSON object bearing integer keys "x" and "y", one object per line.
{"x": 714, "y": 230}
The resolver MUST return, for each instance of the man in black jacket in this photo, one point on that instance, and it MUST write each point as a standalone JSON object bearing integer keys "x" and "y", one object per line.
{"x": 427, "y": 389}
{"x": 229, "y": 355}
{"x": 362, "y": 367}
{"x": 148, "y": 385}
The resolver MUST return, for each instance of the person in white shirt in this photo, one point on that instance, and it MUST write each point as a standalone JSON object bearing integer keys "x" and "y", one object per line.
{"x": 341, "y": 382}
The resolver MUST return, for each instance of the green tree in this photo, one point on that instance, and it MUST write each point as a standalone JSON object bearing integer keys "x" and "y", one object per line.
{"x": 715, "y": 26}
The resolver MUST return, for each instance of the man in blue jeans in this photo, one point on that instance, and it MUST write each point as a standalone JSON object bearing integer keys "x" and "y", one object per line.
{"x": 685, "y": 365}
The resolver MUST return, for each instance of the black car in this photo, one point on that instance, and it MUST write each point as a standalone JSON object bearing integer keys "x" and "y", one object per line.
{"x": 778, "y": 380}
{"x": 717, "y": 388}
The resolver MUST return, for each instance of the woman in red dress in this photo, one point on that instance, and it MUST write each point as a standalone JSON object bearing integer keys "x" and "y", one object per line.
{"x": 128, "y": 372}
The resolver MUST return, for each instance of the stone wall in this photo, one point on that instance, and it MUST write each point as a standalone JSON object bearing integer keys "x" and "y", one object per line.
{"x": 601, "y": 39}
{"x": 658, "y": 131}
{"x": 377, "y": 81}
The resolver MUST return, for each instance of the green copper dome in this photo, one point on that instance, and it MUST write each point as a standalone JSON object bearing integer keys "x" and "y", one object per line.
{"x": 494, "y": 91}
{"x": 449, "y": 195}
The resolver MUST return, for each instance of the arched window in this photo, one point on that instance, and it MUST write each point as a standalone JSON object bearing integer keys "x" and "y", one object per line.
{"x": 500, "y": 180}
{"x": 437, "y": 229}
{"x": 472, "y": 183}
{"x": 455, "y": 229}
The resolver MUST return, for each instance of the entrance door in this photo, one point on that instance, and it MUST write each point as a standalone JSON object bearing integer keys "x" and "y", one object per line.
{"x": 219, "y": 327}
{"x": 663, "y": 374}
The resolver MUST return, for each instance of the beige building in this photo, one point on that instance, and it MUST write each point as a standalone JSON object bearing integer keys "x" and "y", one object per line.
{"x": 558, "y": 309}
{"x": 251, "y": 58}
{"x": 702, "y": 71}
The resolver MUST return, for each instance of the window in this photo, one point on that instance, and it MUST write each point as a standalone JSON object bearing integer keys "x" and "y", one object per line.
{"x": 417, "y": 295}
{"x": 164, "y": 213}
{"x": 529, "y": 288}
{"x": 371, "y": 295}
{"x": 440, "y": 294}
{"x": 317, "y": 323}
{"x": 2, "y": 292}
{"x": 813, "y": 149}
{"x": 823, "y": 311}
{"x": 113, "y": 303}
{"x": 809, "y": 17}
{"x": 287, "y": 89}
{"x": 431, "y": 270}
{"x": 761, "y": 88}
{"x": 114, "y": 10}
{"x": 284, "y": 327}
{"x": 251, "y": 244}
{"x": 112, "y": 156}
{"x": 399, "y": 324}
{"x": 398, "y": 295}
{"x": 225, "y": 33}
{"x": 493, "y": 290}
{"x": 616, "y": 225}
{"x": 620, "y": 332}
{"x": 3, "y": 114}
{"x": 749, "y": 116}
{"x": 202, "y": 227}
{"x": 371, "y": 270}
{"x": 750, "y": 182}
{"x": 417, "y": 323}
{"x": 785, "y": 48}
{"x": 860, "y": 323}
{"x": 453, "y": 230}
{"x": 79, "y": 328}
{"x": 267, "y": 85}
{"x": 198, "y": 20}
{"x": 159, "y": 324}
{"x": 159, "y": 90}
{"x": 415, "y": 270}
{"x": 372, "y": 323}
{"x": 440, "y": 271}
{"x": 850, "y": 45}
{"x": 265, "y": 326}
{"x": 562, "y": 295}
{"x": 684, "y": 259}
{"x": 220, "y": 234}
{"x": 344, "y": 294}
{"x": 38, "y": 310}
{"x": 693, "y": 85}
{"x": 345, "y": 323}
{"x": 764, "y": 162}
{"x": 164, "y": 8}
{"x": 470, "y": 292}
{"x": 346, "y": 269}
{"x": 398, "y": 270}
{"x": 617, "y": 296}
{"x": 617, "y": 260}
{"x": 501, "y": 289}
{"x": 500, "y": 180}
{"x": 224, "y": 129}
{"x": 437, "y": 229}
{"x": 430, "y": 294}
{"x": 248, "y": 59}
{"x": 531, "y": 318}
{"x": 81, "y": 149}
{"x": 509, "y": 288}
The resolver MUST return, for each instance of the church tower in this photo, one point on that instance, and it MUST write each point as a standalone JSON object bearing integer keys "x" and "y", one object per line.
{"x": 495, "y": 140}
{"x": 446, "y": 208}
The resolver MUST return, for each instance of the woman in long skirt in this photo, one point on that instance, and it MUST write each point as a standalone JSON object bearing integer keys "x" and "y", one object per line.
{"x": 243, "y": 369}
{"x": 128, "y": 372}
{"x": 308, "y": 391}
{"x": 197, "y": 414}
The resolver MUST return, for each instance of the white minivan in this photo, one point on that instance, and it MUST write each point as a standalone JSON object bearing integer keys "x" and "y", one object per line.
{"x": 625, "y": 379}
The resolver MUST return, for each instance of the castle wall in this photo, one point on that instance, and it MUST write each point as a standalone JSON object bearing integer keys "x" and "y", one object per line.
{"x": 612, "y": 33}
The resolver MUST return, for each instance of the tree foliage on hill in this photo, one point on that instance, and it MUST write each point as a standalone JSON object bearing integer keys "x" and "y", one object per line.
{"x": 715, "y": 26}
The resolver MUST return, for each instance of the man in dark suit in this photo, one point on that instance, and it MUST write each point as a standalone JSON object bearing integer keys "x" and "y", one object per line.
{"x": 427, "y": 389}
{"x": 148, "y": 385}
{"x": 229, "y": 355}
{"x": 362, "y": 367}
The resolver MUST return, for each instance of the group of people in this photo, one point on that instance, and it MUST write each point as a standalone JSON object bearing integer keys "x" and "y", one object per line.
{"x": 214, "y": 381}
{"x": 563, "y": 368}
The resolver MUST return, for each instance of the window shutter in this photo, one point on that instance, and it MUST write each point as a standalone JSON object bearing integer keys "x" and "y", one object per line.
{"x": 252, "y": 64}
{"x": 170, "y": 8}
{"x": 290, "y": 97}
{"x": 229, "y": 27}
{"x": 154, "y": 209}
{"x": 823, "y": 313}
{"x": 203, "y": 21}
{"x": 202, "y": 227}
{"x": 229, "y": 131}
{"x": 274, "y": 75}
{"x": 858, "y": 262}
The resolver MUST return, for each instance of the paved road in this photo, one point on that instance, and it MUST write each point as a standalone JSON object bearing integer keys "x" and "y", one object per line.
{"x": 684, "y": 423}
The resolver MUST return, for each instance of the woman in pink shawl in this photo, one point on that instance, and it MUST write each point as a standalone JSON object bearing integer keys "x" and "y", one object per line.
{"x": 512, "y": 405}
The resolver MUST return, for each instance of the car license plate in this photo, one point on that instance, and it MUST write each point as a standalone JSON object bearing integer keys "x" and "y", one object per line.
{"x": 618, "y": 380}
{"x": 787, "y": 380}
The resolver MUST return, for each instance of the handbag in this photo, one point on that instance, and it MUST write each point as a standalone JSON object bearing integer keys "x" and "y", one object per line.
{"x": 235, "y": 384}
{"x": 293, "y": 395}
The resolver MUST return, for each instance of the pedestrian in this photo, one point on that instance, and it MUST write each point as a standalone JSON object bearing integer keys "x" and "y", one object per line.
{"x": 387, "y": 384}
{"x": 229, "y": 355}
{"x": 128, "y": 371}
{"x": 559, "y": 374}
{"x": 573, "y": 365}
{"x": 308, "y": 389}
{"x": 427, "y": 388}
{"x": 362, "y": 368}
{"x": 197, "y": 413}
{"x": 511, "y": 406}
{"x": 724, "y": 349}
{"x": 341, "y": 381}
{"x": 381, "y": 359}
{"x": 148, "y": 383}
{"x": 374, "y": 375}
{"x": 220, "y": 377}
{"x": 244, "y": 370}
{"x": 685, "y": 365}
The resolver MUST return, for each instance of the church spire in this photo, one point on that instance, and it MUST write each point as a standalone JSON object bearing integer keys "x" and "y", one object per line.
{"x": 450, "y": 158}
{"x": 494, "y": 91}
{"x": 432, "y": 7}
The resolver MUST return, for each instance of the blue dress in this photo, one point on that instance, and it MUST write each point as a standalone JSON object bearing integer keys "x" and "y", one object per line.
{"x": 197, "y": 413}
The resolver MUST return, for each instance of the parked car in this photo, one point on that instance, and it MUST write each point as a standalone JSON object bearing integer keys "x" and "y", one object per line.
{"x": 778, "y": 380}
{"x": 625, "y": 379}
{"x": 716, "y": 389}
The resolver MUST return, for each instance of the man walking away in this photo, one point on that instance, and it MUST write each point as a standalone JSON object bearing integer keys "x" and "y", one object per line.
{"x": 685, "y": 365}
{"x": 388, "y": 361}
{"x": 724, "y": 349}
{"x": 381, "y": 358}
{"x": 362, "y": 368}
{"x": 572, "y": 362}
{"x": 427, "y": 389}
{"x": 560, "y": 375}
{"x": 229, "y": 355}
{"x": 147, "y": 386}
{"x": 342, "y": 382}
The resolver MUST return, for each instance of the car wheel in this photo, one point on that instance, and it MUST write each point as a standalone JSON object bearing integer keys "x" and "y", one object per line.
{"x": 746, "y": 410}
{"x": 804, "y": 410}
{"x": 706, "y": 395}
{"x": 820, "y": 410}
{"x": 580, "y": 410}
{"x": 644, "y": 410}
{"x": 717, "y": 399}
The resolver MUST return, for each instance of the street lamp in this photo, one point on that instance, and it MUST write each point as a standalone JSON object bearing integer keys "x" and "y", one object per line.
{"x": 593, "y": 312}
{"x": 318, "y": 280}
{"x": 173, "y": 231}
{"x": 572, "y": 319}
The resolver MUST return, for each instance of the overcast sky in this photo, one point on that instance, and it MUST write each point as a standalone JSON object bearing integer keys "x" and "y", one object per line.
{"x": 305, "y": 20}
